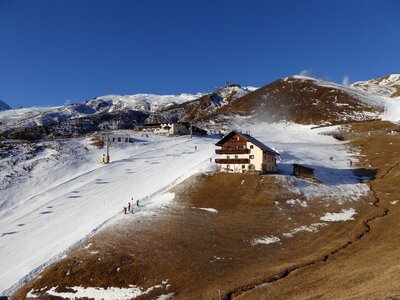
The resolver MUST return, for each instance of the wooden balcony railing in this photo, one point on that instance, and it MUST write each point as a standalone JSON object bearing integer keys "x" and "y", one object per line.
{"x": 232, "y": 161}
{"x": 232, "y": 151}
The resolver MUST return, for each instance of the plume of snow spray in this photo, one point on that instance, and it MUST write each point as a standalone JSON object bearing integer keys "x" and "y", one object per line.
{"x": 392, "y": 111}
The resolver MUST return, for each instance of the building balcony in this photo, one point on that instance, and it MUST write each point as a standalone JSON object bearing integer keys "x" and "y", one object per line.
{"x": 232, "y": 161}
{"x": 232, "y": 151}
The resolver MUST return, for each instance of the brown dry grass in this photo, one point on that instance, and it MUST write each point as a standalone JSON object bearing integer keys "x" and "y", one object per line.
{"x": 97, "y": 142}
{"x": 301, "y": 101}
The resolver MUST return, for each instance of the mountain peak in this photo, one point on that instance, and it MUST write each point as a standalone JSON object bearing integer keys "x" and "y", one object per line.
{"x": 4, "y": 106}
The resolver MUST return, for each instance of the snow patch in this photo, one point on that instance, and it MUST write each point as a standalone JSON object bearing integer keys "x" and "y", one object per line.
{"x": 265, "y": 240}
{"x": 311, "y": 228}
{"x": 297, "y": 201}
{"x": 212, "y": 210}
{"x": 344, "y": 215}
{"x": 166, "y": 296}
{"x": 98, "y": 293}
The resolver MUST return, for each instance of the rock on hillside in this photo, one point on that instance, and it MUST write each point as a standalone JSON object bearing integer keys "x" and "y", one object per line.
{"x": 4, "y": 106}
{"x": 387, "y": 86}
{"x": 305, "y": 100}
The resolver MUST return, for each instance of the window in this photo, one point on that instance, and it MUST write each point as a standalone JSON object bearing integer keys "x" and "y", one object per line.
{"x": 236, "y": 146}
{"x": 228, "y": 157}
{"x": 243, "y": 167}
{"x": 126, "y": 140}
{"x": 251, "y": 146}
{"x": 244, "y": 146}
{"x": 228, "y": 167}
{"x": 236, "y": 157}
{"x": 251, "y": 156}
{"x": 113, "y": 139}
{"x": 119, "y": 139}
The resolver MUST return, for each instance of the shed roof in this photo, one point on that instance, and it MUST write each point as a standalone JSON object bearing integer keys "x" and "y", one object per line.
{"x": 303, "y": 166}
{"x": 250, "y": 139}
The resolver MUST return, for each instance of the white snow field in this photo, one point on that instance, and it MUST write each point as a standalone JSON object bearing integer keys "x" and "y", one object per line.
{"x": 66, "y": 200}
{"x": 61, "y": 202}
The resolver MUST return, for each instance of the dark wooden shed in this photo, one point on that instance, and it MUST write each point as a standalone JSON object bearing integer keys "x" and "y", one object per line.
{"x": 303, "y": 171}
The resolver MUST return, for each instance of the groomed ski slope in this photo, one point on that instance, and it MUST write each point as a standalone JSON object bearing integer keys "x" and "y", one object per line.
{"x": 47, "y": 215}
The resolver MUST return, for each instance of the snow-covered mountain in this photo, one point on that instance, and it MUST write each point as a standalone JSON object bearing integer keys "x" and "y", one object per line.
{"x": 4, "y": 106}
{"x": 307, "y": 100}
{"x": 42, "y": 116}
{"x": 387, "y": 86}
{"x": 203, "y": 107}
{"x": 113, "y": 112}
{"x": 299, "y": 99}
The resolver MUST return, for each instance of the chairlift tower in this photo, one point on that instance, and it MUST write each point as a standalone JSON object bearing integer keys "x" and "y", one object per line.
{"x": 108, "y": 150}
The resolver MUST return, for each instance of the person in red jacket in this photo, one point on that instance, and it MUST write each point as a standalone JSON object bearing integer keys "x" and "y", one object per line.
{"x": 129, "y": 206}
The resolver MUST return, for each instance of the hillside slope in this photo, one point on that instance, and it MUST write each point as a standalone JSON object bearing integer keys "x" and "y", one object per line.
{"x": 63, "y": 194}
{"x": 306, "y": 100}
{"x": 201, "y": 109}
{"x": 368, "y": 268}
{"x": 387, "y": 86}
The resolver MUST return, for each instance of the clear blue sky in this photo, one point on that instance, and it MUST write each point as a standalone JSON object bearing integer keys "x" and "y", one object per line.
{"x": 53, "y": 52}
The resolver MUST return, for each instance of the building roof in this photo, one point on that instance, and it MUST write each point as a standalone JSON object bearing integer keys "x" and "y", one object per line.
{"x": 250, "y": 139}
{"x": 303, "y": 166}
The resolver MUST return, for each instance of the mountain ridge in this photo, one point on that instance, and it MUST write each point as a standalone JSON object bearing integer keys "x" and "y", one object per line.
{"x": 299, "y": 99}
{"x": 4, "y": 106}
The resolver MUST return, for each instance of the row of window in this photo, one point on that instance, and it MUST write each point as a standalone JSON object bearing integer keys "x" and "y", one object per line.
{"x": 269, "y": 168}
{"x": 237, "y": 156}
{"x": 238, "y": 147}
{"x": 228, "y": 167}
{"x": 120, "y": 140}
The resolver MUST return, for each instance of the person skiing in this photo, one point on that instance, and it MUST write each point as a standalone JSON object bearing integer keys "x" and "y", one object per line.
{"x": 210, "y": 159}
{"x": 137, "y": 202}
{"x": 129, "y": 206}
{"x": 125, "y": 210}
{"x": 195, "y": 148}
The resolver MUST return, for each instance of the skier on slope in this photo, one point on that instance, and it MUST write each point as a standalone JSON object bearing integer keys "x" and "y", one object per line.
{"x": 137, "y": 202}
{"x": 129, "y": 206}
{"x": 125, "y": 210}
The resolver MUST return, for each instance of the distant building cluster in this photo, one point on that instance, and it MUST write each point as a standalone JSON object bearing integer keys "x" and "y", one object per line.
{"x": 177, "y": 128}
